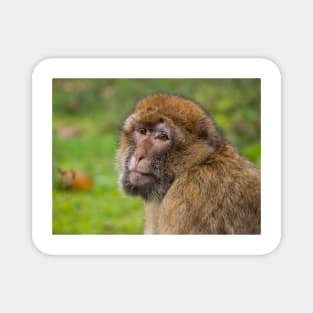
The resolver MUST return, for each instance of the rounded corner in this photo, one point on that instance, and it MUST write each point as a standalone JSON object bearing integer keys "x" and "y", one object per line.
{"x": 272, "y": 65}
{"x": 38, "y": 247}
{"x": 273, "y": 247}
{"x": 41, "y": 64}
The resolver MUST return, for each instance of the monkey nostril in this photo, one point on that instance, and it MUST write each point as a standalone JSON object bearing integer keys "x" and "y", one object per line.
{"x": 140, "y": 158}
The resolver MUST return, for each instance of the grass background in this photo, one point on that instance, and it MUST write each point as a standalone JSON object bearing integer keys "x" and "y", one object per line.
{"x": 87, "y": 115}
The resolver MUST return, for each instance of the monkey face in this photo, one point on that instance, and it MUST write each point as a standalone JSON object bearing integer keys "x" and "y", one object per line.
{"x": 161, "y": 139}
{"x": 144, "y": 165}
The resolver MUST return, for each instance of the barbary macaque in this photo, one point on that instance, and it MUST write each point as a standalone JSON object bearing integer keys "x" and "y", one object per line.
{"x": 192, "y": 180}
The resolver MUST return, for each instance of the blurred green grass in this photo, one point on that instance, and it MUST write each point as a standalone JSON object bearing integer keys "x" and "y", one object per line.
{"x": 87, "y": 115}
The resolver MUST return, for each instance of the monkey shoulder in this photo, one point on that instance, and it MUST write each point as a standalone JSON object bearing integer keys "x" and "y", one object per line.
{"x": 215, "y": 179}
{"x": 219, "y": 196}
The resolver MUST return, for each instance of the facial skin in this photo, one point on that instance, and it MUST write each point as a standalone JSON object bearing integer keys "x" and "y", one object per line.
{"x": 143, "y": 173}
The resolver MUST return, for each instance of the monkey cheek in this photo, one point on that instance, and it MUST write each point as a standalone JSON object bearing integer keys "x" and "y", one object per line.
{"x": 138, "y": 179}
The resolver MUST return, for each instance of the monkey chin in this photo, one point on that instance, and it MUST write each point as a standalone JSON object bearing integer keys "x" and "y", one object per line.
{"x": 138, "y": 184}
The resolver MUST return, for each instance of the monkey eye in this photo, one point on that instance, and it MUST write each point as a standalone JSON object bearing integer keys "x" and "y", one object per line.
{"x": 162, "y": 136}
{"x": 141, "y": 130}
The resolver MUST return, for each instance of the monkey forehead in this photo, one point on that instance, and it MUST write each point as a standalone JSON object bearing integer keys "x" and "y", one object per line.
{"x": 151, "y": 120}
{"x": 178, "y": 109}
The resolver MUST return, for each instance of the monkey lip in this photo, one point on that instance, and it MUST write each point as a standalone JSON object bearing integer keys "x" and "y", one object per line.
{"x": 139, "y": 178}
{"x": 140, "y": 173}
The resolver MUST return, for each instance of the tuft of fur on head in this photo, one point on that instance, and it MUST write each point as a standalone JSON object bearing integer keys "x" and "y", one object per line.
{"x": 183, "y": 113}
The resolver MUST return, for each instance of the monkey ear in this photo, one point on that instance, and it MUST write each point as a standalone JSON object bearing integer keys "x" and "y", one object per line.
{"x": 207, "y": 131}
{"x": 203, "y": 129}
{"x": 128, "y": 124}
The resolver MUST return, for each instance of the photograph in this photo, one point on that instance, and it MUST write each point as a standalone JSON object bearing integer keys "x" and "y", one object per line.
{"x": 156, "y": 156}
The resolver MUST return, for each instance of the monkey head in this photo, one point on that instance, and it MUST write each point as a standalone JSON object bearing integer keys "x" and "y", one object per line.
{"x": 163, "y": 137}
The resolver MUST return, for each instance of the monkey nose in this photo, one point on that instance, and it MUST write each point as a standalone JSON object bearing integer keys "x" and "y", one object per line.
{"x": 134, "y": 161}
{"x": 139, "y": 155}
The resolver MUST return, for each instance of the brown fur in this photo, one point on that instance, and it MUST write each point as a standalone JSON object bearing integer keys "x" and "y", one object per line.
{"x": 204, "y": 185}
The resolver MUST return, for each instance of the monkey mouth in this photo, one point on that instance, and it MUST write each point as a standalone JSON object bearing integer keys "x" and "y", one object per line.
{"x": 141, "y": 173}
{"x": 145, "y": 184}
{"x": 140, "y": 178}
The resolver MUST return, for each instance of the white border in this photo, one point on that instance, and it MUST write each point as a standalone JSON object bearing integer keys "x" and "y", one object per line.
{"x": 48, "y": 243}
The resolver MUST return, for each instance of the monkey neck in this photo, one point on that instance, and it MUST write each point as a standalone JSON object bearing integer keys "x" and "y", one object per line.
{"x": 151, "y": 216}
